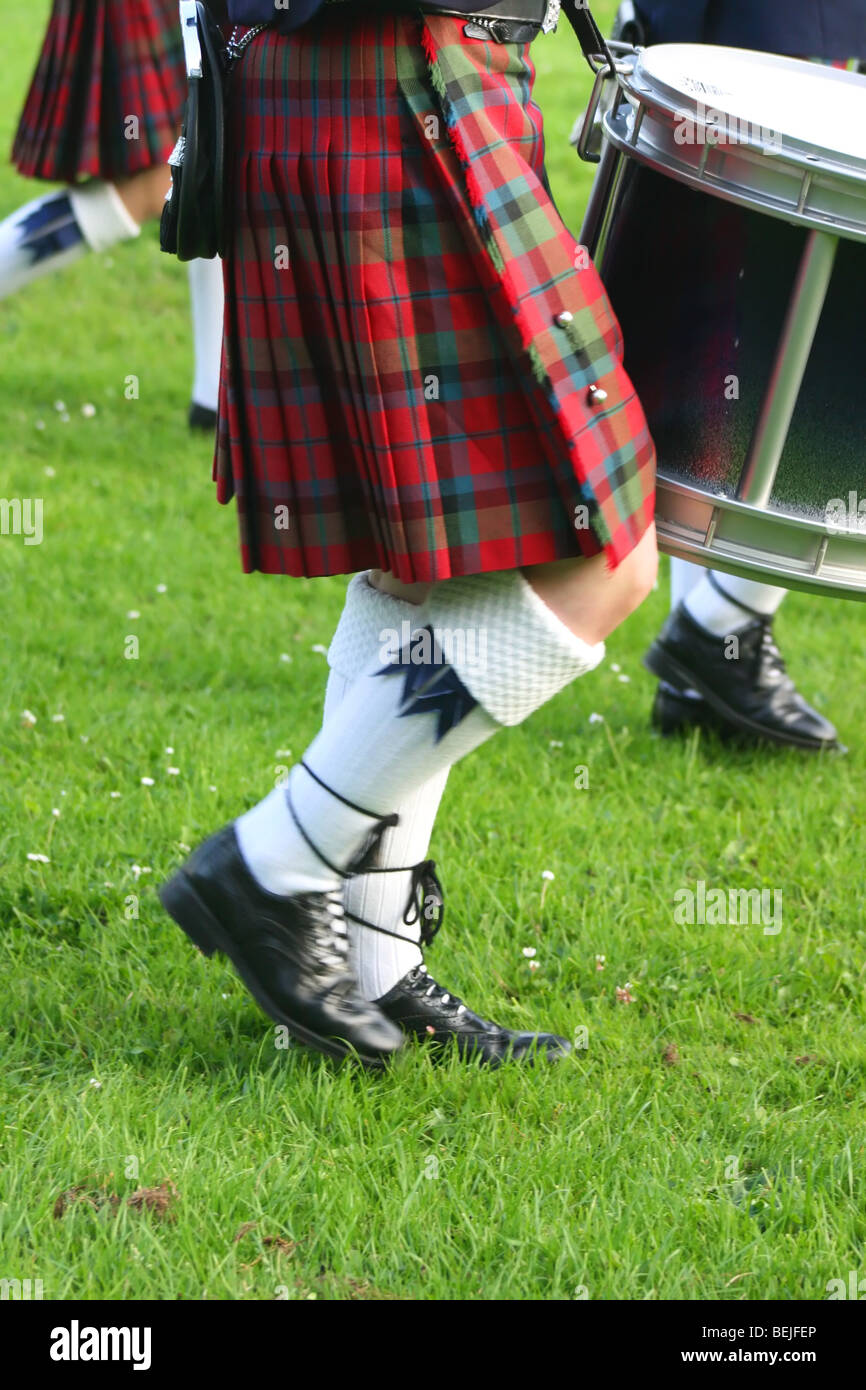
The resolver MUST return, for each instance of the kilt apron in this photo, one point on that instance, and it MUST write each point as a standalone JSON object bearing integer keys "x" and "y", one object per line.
{"x": 412, "y": 333}
{"x": 103, "y": 62}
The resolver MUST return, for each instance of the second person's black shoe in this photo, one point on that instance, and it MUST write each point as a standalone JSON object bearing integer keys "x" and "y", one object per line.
{"x": 750, "y": 691}
{"x": 201, "y": 417}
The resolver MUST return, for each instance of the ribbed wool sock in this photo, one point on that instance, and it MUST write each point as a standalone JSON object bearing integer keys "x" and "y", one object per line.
{"x": 724, "y": 604}
{"x": 413, "y": 714}
{"x": 382, "y": 898}
{"x": 684, "y": 577}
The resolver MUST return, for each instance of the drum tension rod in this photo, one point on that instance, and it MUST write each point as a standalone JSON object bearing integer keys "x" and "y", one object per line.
{"x": 789, "y": 368}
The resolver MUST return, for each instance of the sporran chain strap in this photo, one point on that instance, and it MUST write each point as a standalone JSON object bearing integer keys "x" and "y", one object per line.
{"x": 236, "y": 47}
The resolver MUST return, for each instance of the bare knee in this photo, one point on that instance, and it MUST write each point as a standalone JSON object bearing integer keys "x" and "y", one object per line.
{"x": 591, "y": 599}
{"x": 386, "y": 583}
{"x": 640, "y": 571}
{"x": 143, "y": 194}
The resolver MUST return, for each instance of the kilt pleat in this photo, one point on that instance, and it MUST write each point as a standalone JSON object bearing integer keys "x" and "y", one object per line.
{"x": 102, "y": 63}
{"x": 396, "y": 392}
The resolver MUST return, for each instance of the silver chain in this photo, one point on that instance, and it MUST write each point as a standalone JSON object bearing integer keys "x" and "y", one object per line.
{"x": 236, "y": 47}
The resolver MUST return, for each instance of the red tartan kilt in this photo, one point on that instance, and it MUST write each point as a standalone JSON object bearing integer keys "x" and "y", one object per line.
{"x": 377, "y": 407}
{"x": 102, "y": 63}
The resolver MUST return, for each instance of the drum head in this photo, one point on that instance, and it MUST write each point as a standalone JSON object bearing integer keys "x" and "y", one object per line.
{"x": 808, "y": 108}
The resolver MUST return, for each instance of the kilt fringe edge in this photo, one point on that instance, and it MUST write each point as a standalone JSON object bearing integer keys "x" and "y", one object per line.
{"x": 480, "y": 211}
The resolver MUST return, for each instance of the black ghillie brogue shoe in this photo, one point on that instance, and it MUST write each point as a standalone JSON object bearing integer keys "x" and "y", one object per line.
{"x": 751, "y": 693}
{"x": 201, "y": 417}
{"x": 674, "y": 712}
{"x": 291, "y": 953}
{"x": 425, "y": 1010}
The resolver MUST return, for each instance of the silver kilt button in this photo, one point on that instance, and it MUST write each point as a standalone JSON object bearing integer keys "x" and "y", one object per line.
{"x": 596, "y": 395}
{"x": 564, "y": 319}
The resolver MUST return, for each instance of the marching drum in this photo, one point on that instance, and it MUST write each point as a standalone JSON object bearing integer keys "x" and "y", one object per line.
{"x": 728, "y": 220}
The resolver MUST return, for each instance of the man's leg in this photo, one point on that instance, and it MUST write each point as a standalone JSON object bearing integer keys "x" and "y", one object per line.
{"x": 718, "y": 665}
{"x": 262, "y": 890}
{"x": 206, "y": 301}
{"x": 396, "y": 907}
{"x": 371, "y": 615}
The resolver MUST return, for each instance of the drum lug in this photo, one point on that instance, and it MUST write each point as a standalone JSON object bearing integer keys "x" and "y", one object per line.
{"x": 625, "y": 56}
{"x": 819, "y": 558}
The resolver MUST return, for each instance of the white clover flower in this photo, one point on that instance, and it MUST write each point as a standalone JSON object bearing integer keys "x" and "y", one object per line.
{"x": 60, "y": 406}
{"x": 133, "y": 614}
{"x": 173, "y": 771}
{"x": 625, "y": 680}
{"x": 162, "y": 588}
{"x": 115, "y": 796}
{"x": 50, "y": 472}
{"x": 284, "y": 656}
{"x": 596, "y": 718}
{"x": 546, "y": 873}
{"x": 322, "y": 651}
{"x": 529, "y": 952}
{"x": 88, "y": 410}
{"x": 169, "y": 751}
{"x": 39, "y": 859}
{"x": 147, "y": 782}
{"x": 58, "y": 719}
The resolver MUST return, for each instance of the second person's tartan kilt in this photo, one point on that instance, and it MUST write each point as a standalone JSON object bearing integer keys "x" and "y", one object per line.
{"x": 397, "y": 392}
{"x": 108, "y": 93}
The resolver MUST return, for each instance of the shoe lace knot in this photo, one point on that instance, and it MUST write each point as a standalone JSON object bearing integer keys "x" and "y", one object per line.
{"x": 426, "y": 904}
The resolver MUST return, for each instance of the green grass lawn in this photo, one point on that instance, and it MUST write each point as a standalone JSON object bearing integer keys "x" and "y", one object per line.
{"x": 708, "y": 1141}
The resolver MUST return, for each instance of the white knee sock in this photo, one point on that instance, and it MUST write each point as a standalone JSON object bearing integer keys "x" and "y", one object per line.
{"x": 382, "y": 898}
{"x": 410, "y": 716}
{"x": 726, "y": 612}
{"x": 102, "y": 215}
{"x": 56, "y": 229}
{"x": 684, "y": 577}
{"x": 206, "y": 299}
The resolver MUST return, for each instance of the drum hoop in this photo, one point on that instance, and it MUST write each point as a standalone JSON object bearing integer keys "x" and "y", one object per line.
{"x": 712, "y": 184}
{"x": 648, "y": 101}
{"x": 824, "y": 572}
{"x": 726, "y": 503}
{"x": 644, "y": 88}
